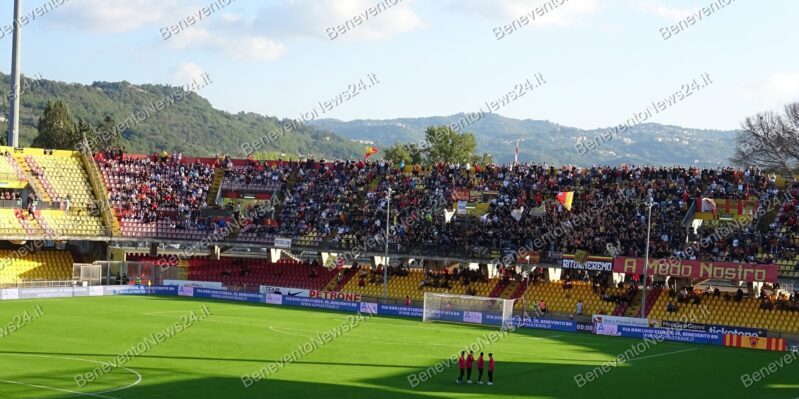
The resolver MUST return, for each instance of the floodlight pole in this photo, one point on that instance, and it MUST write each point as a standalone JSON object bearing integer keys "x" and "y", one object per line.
{"x": 385, "y": 258}
{"x": 649, "y": 205}
{"x": 13, "y": 109}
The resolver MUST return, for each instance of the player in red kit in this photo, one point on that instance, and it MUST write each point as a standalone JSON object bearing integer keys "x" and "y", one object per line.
{"x": 462, "y": 367}
{"x": 480, "y": 369}
{"x": 469, "y": 364}
{"x": 490, "y": 369}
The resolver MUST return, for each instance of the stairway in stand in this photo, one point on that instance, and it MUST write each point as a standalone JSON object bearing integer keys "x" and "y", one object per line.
{"x": 509, "y": 290}
{"x": 213, "y": 190}
{"x": 32, "y": 226}
{"x": 36, "y": 183}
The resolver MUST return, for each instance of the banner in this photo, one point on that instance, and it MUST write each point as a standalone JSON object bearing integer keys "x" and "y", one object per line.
{"x": 191, "y": 283}
{"x": 547, "y": 324}
{"x": 446, "y": 315}
{"x": 269, "y": 289}
{"x": 716, "y": 329}
{"x": 339, "y": 296}
{"x": 9, "y": 293}
{"x": 368, "y": 308}
{"x": 606, "y": 329}
{"x": 587, "y": 265}
{"x": 666, "y": 334}
{"x": 461, "y": 207}
{"x": 698, "y": 270}
{"x": 395, "y": 310}
{"x": 228, "y": 295}
{"x": 472, "y": 317}
{"x": 461, "y": 195}
{"x": 321, "y": 303}
{"x": 50, "y": 292}
{"x": 620, "y": 321}
{"x": 141, "y": 290}
{"x": 764, "y": 343}
{"x": 282, "y": 242}
{"x": 273, "y": 299}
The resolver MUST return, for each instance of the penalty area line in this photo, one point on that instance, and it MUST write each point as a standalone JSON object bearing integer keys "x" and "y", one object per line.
{"x": 664, "y": 354}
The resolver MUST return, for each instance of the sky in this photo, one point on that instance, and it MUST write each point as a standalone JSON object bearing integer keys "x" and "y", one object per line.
{"x": 601, "y": 60}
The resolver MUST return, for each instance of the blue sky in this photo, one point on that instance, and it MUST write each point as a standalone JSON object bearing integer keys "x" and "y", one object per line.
{"x": 602, "y": 59}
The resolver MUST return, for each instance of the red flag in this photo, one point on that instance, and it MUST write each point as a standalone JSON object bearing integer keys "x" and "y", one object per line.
{"x": 371, "y": 151}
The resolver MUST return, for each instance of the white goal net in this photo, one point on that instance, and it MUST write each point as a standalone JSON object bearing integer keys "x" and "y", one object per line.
{"x": 467, "y": 309}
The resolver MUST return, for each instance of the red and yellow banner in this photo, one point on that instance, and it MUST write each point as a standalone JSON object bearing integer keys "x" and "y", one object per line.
{"x": 763, "y": 343}
{"x": 698, "y": 269}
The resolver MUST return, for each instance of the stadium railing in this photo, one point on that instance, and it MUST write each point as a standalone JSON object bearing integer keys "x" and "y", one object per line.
{"x": 39, "y": 284}
{"x": 100, "y": 193}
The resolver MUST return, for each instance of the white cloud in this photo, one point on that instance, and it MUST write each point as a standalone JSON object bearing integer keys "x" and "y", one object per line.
{"x": 115, "y": 16}
{"x": 225, "y": 32}
{"x": 314, "y": 17}
{"x": 655, "y": 8}
{"x": 188, "y": 72}
{"x": 773, "y": 92}
{"x": 253, "y": 48}
{"x": 566, "y": 14}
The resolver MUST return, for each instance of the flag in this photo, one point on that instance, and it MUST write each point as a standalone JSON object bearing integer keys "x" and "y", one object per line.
{"x": 371, "y": 151}
{"x": 709, "y": 205}
{"x": 565, "y": 198}
{"x": 580, "y": 256}
{"x": 516, "y": 157}
{"x": 539, "y": 210}
{"x": 448, "y": 215}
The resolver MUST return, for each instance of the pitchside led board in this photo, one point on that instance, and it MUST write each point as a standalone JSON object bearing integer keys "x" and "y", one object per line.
{"x": 698, "y": 269}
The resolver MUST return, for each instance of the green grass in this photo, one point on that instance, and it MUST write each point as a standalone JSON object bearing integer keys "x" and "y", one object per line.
{"x": 371, "y": 361}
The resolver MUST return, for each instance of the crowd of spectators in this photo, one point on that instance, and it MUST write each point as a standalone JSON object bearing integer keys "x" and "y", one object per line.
{"x": 156, "y": 187}
{"x": 254, "y": 175}
{"x": 339, "y": 200}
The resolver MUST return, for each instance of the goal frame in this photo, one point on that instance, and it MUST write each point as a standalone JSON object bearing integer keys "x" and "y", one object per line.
{"x": 473, "y": 309}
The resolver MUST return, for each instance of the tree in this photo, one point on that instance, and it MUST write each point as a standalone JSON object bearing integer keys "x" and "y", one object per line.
{"x": 57, "y": 129}
{"x": 769, "y": 141}
{"x": 269, "y": 156}
{"x": 107, "y": 135}
{"x": 411, "y": 153}
{"x": 484, "y": 159}
{"x": 447, "y": 145}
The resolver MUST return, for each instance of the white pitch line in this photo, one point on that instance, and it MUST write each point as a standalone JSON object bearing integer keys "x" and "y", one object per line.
{"x": 138, "y": 379}
{"x": 664, "y": 354}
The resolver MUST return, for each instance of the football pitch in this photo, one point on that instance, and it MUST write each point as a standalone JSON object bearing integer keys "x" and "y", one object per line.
{"x": 128, "y": 347}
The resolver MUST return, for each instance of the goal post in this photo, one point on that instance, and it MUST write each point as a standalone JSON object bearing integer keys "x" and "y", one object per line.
{"x": 467, "y": 309}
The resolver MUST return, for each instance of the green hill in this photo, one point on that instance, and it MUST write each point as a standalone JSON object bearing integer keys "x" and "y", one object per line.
{"x": 192, "y": 126}
{"x": 544, "y": 141}
{"x": 189, "y": 125}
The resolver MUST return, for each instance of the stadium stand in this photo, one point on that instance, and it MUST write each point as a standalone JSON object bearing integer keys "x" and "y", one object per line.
{"x": 40, "y": 265}
{"x": 769, "y": 312}
{"x": 254, "y": 176}
{"x": 254, "y": 272}
{"x": 368, "y": 283}
{"x": 564, "y": 300}
{"x": 342, "y": 204}
{"x": 11, "y": 224}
